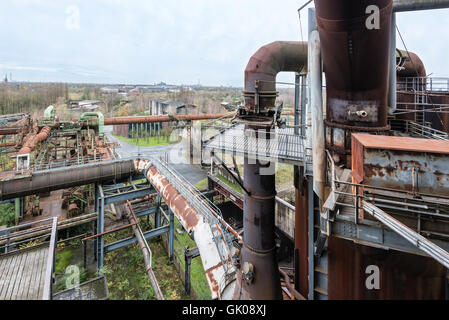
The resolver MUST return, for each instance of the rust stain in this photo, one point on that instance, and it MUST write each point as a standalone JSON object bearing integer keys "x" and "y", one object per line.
{"x": 174, "y": 199}
{"x": 213, "y": 283}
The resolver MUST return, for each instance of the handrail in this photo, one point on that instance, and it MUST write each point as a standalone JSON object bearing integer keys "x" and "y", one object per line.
{"x": 47, "y": 295}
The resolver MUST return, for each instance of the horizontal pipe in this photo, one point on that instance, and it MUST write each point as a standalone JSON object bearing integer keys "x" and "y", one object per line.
{"x": 62, "y": 178}
{"x": 166, "y": 118}
{"x": 415, "y": 5}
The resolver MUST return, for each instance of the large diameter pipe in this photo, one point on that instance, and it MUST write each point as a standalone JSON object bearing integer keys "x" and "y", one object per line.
{"x": 263, "y": 68}
{"x": 410, "y": 64}
{"x": 415, "y": 5}
{"x": 316, "y": 103}
{"x": 62, "y": 178}
{"x": 166, "y": 118}
{"x": 260, "y": 273}
{"x": 33, "y": 140}
{"x": 355, "y": 53}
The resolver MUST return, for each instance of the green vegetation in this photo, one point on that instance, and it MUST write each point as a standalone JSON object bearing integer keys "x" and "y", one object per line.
{"x": 7, "y": 214}
{"x": 202, "y": 185}
{"x": 126, "y": 274}
{"x": 28, "y": 97}
{"x": 234, "y": 186}
{"x": 63, "y": 258}
{"x": 147, "y": 142}
{"x": 284, "y": 174}
{"x": 198, "y": 279}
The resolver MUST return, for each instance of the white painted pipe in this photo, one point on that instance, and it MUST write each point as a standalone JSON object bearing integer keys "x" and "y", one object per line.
{"x": 316, "y": 103}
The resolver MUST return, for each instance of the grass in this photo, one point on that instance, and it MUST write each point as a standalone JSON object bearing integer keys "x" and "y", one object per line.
{"x": 147, "y": 142}
{"x": 127, "y": 277}
{"x": 63, "y": 258}
{"x": 198, "y": 279}
{"x": 284, "y": 174}
{"x": 202, "y": 185}
{"x": 234, "y": 186}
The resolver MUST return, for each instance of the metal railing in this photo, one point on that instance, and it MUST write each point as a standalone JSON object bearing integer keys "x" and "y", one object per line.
{"x": 424, "y": 131}
{"x": 423, "y": 84}
{"x": 16, "y": 236}
{"x": 203, "y": 206}
{"x": 49, "y": 272}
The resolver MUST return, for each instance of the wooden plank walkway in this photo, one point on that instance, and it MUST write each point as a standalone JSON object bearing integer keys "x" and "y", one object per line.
{"x": 22, "y": 275}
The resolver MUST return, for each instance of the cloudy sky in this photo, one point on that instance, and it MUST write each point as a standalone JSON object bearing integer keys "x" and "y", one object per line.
{"x": 180, "y": 42}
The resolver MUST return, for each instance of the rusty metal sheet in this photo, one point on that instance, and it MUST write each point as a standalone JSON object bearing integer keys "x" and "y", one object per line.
{"x": 194, "y": 223}
{"x": 402, "y": 276}
{"x": 402, "y": 143}
{"x": 402, "y": 163}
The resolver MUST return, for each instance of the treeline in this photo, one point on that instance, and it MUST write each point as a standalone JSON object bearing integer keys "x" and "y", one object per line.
{"x": 28, "y": 98}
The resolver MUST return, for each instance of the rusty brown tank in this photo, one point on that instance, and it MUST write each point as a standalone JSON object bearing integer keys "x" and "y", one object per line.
{"x": 356, "y": 62}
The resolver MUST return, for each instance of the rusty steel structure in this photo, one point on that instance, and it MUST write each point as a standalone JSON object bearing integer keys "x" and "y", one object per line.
{"x": 66, "y": 177}
{"x": 258, "y": 277}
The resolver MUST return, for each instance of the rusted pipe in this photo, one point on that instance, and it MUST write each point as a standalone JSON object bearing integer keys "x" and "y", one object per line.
{"x": 263, "y": 68}
{"x": 409, "y": 64}
{"x": 166, "y": 118}
{"x": 292, "y": 290}
{"x": 356, "y": 62}
{"x": 7, "y": 144}
{"x": 145, "y": 251}
{"x": 33, "y": 140}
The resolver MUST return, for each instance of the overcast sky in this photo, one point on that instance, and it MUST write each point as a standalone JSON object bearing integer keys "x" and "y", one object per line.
{"x": 179, "y": 42}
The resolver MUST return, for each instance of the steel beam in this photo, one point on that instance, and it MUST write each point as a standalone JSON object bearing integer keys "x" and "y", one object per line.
{"x": 129, "y": 195}
{"x": 129, "y": 241}
{"x": 145, "y": 212}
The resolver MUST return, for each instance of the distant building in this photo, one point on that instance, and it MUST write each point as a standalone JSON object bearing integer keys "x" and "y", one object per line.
{"x": 85, "y": 105}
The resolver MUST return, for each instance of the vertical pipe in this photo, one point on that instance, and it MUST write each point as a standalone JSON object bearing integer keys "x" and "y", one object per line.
{"x": 260, "y": 273}
{"x": 297, "y": 103}
{"x": 392, "y": 96}
{"x": 316, "y": 104}
{"x": 311, "y": 240}
{"x": 312, "y": 27}
{"x": 301, "y": 235}
{"x": 303, "y": 103}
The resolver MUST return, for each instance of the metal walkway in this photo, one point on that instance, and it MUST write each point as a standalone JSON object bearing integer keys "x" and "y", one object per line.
{"x": 23, "y": 275}
{"x": 284, "y": 146}
{"x": 27, "y": 274}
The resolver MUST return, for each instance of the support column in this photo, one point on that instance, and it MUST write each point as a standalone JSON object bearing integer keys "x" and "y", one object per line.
{"x": 100, "y": 227}
{"x": 95, "y": 223}
{"x": 157, "y": 216}
{"x": 171, "y": 236}
{"x": 301, "y": 233}
{"x": 447, "y": 284}
{"x": 189, "y": 254}
{"x": 311, "y": 239}
{"x": 260, "y": 272}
